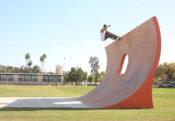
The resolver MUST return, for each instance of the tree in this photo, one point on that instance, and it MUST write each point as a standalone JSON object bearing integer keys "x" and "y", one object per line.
{"x": 17, "y": 70}
{"x": 29, "y": 63}
{"x": 42, "y": 60}
{"x": 91, "y": 78}
{"x": 101, "y": 75}
{"x": 44, "y": 57}
{"x": 165, "y": 71}
{"x": 9, "y": 69}
{"x": 27, "y": 57}
{"x": 81, "y": 75}
{"x": 36, "y": 69}
{"x": 164, "y": 77}
{"x": 27, "y": 70}
{"x": 171, "y": 70}
{"x": 161, "y": 70}
{"x": 22, "y": 69}
{"x": 94, "y": 64}
{"x": 75, "y": 75}
{"x": 173, "y": 75}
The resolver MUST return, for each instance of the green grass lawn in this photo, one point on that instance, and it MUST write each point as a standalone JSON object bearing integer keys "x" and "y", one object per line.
{"x": 43, "y": 91}
{"x": 164, "y": 106}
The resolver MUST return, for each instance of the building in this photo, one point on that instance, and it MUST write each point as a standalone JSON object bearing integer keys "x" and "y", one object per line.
{"x": 30, "y": 79}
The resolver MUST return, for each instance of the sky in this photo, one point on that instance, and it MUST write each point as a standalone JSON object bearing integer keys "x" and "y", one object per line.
{"x": 70, "y": 29}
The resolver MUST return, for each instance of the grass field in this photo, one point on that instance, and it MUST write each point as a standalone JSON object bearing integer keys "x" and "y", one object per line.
{"x": 164, "y": 106}
{"x": 43, "y": 91}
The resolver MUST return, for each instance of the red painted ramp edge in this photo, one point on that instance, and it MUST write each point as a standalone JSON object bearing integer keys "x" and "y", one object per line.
{"x": 142, "y": 98}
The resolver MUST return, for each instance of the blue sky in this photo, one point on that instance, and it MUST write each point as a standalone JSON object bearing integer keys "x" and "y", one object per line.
{"x": 70, "y": 29}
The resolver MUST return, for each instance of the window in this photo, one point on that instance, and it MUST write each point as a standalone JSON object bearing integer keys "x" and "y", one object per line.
{"x": 25, "y": 77}
{"x": 6, "y": 77}
{"x": 52, "y": 78}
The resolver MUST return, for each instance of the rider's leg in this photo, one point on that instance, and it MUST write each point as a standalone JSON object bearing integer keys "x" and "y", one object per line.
{"x": 112, "y": 36}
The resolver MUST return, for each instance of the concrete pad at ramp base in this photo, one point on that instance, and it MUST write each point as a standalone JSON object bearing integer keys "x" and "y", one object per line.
{"x": 41, "y": 102}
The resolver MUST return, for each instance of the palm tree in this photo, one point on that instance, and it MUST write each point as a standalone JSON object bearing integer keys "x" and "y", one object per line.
{"x": 27, "y": 57}
{"x": 41, "y": 60}
{"x": 44, "y": 57}
{"x": 29, "y": 63}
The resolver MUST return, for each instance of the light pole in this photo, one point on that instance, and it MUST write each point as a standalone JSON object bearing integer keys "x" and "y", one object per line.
{"x": 6, "y": 76}
{"x": 63, "y": 65}
{"x": 63, "y": 71}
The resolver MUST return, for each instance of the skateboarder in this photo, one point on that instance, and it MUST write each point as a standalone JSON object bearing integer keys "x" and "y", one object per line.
{"x": 104, "y": 34}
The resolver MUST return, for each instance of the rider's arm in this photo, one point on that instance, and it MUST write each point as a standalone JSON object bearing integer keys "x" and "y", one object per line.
{"x": 102, "y": 30}
{"x": 107, "y": 28}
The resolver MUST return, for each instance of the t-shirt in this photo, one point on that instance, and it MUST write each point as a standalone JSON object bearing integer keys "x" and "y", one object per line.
{"x": 102, "y": 36}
